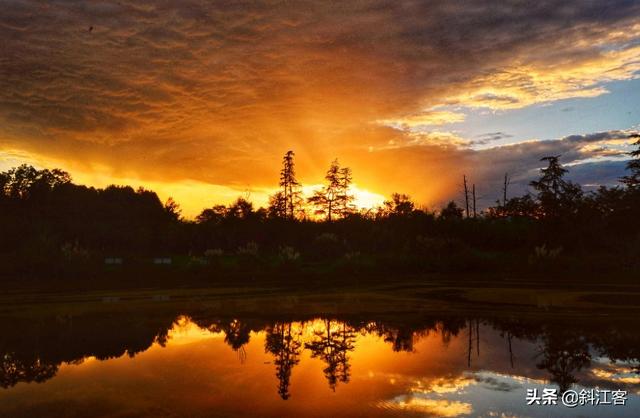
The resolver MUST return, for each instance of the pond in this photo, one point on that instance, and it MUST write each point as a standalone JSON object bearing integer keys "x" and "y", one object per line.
{"x": 190, "y": 362}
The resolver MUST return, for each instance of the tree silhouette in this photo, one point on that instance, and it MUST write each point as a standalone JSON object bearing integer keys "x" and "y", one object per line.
{"x": 290, "y": 186}
{"x": 466, "y": 195}
{"x": 173, "y": 209}
{"x": 26, "y": 181}
{"x": 399, "y": 205}
{"x": 332, "y": 347}
{"x": 277, "y": 205}
{"x": 632, "y": 181}
{"x": 557, "y": 197}
{"x": 334, "y": 199}
{"x": 212, "y": 215}
{"x": 286, "y": 347}
{"x": 451, "y": 211}
{"x": 240, "y": 209}
{"x": 50, "y": 225}
{"x": 345, "y": 198}
{"x": 551, "y": 184}
{"x": 516, "y": 207}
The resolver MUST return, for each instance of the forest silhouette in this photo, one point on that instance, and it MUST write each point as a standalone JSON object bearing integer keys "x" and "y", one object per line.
{"x": 52, "y": 227}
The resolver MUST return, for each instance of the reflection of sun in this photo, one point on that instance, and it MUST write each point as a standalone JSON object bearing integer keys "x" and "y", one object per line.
{"x": 185, "y": 331}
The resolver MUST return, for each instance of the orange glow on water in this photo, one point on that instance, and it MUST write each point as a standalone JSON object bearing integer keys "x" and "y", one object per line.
{"x": 196, "y": 370}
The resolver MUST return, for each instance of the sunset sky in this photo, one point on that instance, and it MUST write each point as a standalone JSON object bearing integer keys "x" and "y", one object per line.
{"x": 199, "y": 100}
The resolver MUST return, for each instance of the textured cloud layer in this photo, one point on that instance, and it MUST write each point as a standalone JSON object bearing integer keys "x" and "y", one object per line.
{"x": 217, "y": 91}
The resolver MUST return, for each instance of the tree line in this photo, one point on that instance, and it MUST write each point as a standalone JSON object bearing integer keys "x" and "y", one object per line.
{"x": 45, "y": 217}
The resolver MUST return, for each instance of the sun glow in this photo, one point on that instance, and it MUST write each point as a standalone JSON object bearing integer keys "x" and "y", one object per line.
{"x": 193, "y": 196}
{"x": 362, "y": 198}
{"x": 365, "y": 199}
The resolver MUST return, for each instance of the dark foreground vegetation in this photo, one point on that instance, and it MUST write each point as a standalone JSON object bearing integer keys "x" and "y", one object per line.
{"x": 52, "y": 228}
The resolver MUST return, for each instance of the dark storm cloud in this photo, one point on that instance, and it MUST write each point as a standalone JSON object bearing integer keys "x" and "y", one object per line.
{"x": 215, "y": 91}
{"x": 522, "y": 161}
{"x": 595, "y": 174}
{"x": 489, "y": 137}
{"x": 439, "y": 177}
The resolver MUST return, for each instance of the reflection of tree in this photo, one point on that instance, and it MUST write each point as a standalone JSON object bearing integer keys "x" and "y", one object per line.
{"x": 14, "y": 370}
{"x": 619, "y": 343}
{"x": 474, "y": 333}
{"x": 450, "y": 327}
{"x": 237, "y": 335}
{"x": 562, "y": 356}
{"x": 332, "y": 346}
{"x": 31, "y": 351}
{"x": 401, "y": 338}
{"x": 518, "y": 328}
{"x": 286, "y": 347}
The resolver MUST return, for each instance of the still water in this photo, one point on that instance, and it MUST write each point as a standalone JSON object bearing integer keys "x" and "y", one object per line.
{"x": 172, "y": 364}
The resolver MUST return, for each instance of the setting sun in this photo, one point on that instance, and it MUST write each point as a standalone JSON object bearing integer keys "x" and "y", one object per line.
{"x": 365, "y": 199}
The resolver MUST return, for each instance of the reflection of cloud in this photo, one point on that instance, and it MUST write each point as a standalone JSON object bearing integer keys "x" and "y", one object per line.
{"x": 618, "y": 375}
{"x": 502, "y": 415}
{"x": 496, "y": 384}
{"x": 441, "y": 385}
{"x": 433, "y": 407}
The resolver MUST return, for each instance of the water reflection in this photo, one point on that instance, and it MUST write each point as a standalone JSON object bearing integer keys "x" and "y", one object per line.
{"x": 285, "y": 343}
{"x": 435, "y": 365}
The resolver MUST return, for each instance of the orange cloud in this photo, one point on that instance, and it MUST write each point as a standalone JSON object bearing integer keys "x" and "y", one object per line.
{"x": 429, "y": 118}
{"x": 523, "y": 85}
{"x": 201, "y": 99}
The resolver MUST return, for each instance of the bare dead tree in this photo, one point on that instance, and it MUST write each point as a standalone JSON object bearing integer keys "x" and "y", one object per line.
{"x": 507, "y": 180}
{"x": 474, "y": 200}
{"x": 466, "y": 194}
{"x": 470, "y": 343}
{"x": 478, "y": 337}
{"x": 510, "y": 348}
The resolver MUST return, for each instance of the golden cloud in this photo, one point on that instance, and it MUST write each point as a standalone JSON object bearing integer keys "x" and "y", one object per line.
{"x": 199, "y": 98}
{"x": 432, "y": 407}
{"x": 430, "y": 118}
{"x": 524, "y": 85}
